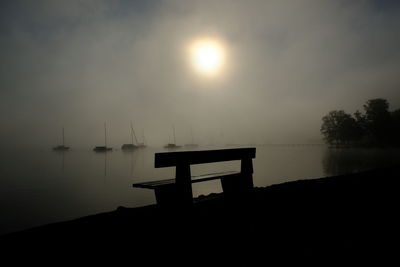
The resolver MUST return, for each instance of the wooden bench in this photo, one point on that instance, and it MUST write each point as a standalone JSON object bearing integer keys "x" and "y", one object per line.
{"x": 178, "y": 191}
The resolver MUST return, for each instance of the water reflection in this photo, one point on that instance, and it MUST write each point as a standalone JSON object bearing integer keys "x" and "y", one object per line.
{"x": 61, "y": 153}
{"x": 338, "y": 161}
{"x": 133, "y": 155}
{"x": 35, "y": 183}
{"x": 105, "y": 164}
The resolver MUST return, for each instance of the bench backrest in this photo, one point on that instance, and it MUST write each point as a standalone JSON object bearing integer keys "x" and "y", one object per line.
{"x": 170, "y": 159}
{"x": 183, "y": 159}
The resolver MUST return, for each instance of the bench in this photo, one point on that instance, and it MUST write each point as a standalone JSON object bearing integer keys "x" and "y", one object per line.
{"x": 178, "y": 191}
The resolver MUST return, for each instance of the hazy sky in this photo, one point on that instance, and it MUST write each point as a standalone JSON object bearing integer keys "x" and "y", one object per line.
{"x": 79, "y": 63}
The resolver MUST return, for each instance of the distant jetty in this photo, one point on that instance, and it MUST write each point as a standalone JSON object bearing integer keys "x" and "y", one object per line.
{"x": 191, "y": 145}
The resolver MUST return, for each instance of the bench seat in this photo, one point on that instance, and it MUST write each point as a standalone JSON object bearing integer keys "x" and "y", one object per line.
{"x": 195, "y": 179}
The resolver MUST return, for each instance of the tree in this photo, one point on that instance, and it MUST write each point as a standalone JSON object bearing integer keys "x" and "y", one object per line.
{"x": 396, "y": 116}
{"x": 339, "y": 128}
{"x": 396, "y": 125}
{"x": 378, "y": 121}
{"x": 378, "y": 126}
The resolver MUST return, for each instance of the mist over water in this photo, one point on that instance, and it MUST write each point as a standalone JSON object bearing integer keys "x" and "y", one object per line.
{"x": 44, "y": 186}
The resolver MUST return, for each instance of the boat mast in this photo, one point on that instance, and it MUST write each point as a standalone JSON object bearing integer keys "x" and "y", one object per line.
{"x": 105, "y": 135}
{"x": 173, "y": 129}
{"x": 63, "y": 143}
{"x": 144, "y": 140}
{"x": 133, "y": 134}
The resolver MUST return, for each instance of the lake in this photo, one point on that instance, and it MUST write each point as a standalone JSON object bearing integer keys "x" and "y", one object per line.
{"x": 43, "y": 186}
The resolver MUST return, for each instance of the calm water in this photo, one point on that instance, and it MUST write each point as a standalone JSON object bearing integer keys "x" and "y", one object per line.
{"x": 41, "y": 186}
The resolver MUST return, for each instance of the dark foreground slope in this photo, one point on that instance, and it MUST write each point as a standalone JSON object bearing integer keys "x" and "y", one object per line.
{"x": 323, "y": 220}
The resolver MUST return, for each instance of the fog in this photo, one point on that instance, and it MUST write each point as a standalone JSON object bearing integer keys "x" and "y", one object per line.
{"x": 78, "y": 64}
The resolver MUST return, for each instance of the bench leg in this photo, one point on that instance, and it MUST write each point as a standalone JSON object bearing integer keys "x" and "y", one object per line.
{"x": 173, "y": 195}
{"x": 166, "y": 195}
{"x": 240, "y": 184}
{"x": 184, "y": 185}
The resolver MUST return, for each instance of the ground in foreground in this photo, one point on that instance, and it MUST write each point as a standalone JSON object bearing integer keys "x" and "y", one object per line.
{"x": 324, "y": 220}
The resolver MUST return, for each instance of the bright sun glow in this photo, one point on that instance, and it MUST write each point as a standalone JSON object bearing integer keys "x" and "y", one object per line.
{"x": 207, "y": 56}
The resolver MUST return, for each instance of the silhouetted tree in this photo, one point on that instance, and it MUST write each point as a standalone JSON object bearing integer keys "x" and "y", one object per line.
{"x": 378, "y": 126}
{"x": 396, "y": 126}
{"x": 378, "y": 121}
{"x": 361, "y": 120}
{"x": 339, "y": 128}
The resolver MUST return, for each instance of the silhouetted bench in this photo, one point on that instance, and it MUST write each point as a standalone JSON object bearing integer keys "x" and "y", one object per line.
{"x": 178, "y": 191}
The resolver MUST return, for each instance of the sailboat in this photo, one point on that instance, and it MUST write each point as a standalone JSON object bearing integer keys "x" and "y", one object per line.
{"x": 61, "y": 147}
{"x": 103, "y": 148}
{"x": 143, "y": 144}
{"x": 192, "y": 144}
{"x": 172, "y": 145}
{"x": 131, "y": 146}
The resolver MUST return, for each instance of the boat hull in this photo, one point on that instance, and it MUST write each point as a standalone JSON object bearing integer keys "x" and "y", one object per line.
{"x": 102, "y": 149}
{"x": 61, "y": 148}
{"x": 129, "y": 147}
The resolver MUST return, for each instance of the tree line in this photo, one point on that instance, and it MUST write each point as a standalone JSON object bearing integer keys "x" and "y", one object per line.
{"x": 376, "y": 126}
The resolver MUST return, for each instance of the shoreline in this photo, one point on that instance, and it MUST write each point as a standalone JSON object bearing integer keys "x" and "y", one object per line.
{"x": 337, "y": 216}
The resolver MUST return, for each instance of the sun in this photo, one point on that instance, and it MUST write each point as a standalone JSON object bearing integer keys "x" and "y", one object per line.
{"x": 207, "y": 56}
